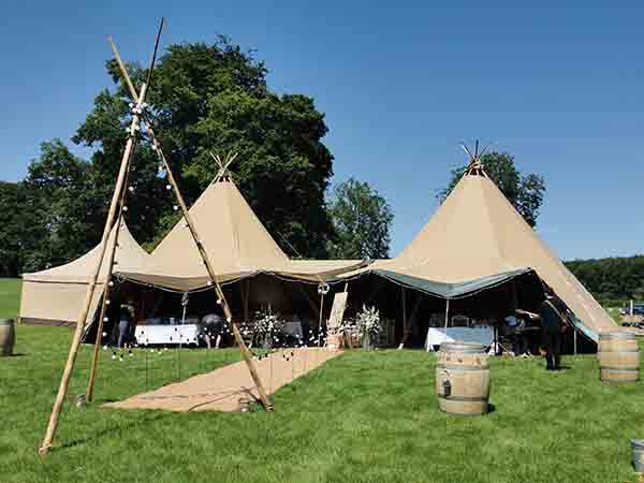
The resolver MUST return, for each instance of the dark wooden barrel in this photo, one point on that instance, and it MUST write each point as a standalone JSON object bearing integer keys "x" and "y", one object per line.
{"x": 7, "y": 336}
{"x": 462, "y": 378}
{"x": 619, "y": 357}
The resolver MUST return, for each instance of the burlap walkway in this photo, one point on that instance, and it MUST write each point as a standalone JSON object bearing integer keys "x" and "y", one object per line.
{"x": 221, "y": 389}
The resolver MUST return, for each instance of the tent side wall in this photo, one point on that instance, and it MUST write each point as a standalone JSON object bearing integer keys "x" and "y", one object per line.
{"x": 55, "y": 303}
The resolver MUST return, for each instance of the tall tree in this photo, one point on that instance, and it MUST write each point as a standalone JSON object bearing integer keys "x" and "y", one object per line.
{"x": 21, "y": 228}
{"x": 362, "y": 219}
{"x": 214, "y": 98}
{"x": 58, "y": 196}
{"x": 525, "y": 192}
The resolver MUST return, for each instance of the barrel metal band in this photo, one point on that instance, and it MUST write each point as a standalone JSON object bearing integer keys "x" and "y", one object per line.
{"x": 462, "y": 398}
{"x": 619, "y": 369}
{"x": 455, "y": 368}
{"x": 623, "y": 350}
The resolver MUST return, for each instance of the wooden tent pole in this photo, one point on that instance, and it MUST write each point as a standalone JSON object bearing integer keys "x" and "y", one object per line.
{"x": 320, "y": 320}
{"x": 446, "y": 312}
{"x": 211, "y": 273}
{"x": 80, "y": 322}
{"x": 89, "y": 392}
{"x": 404, "y": 314}
{"x": 52, "y": 425}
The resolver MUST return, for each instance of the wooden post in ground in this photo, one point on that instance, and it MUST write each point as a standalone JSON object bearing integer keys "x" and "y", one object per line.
{"x": 221, "y": 299}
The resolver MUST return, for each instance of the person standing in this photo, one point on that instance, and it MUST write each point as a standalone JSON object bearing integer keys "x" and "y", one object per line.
{"x": 126, "y": 317}
{"x": 551, "y": 323}
{"x": 212, "y": 326}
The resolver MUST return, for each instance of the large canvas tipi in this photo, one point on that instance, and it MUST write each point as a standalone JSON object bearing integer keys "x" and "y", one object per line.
{"x": 55, "y": 295}
{"x": 477, "y": 240}
{"x": 236, "y": 243}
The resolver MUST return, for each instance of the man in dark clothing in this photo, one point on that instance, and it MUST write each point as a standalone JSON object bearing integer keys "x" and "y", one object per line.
{"x": 551, "y": 324}
{"x": 126, "y": 318}
{"x": 212, "y": 328}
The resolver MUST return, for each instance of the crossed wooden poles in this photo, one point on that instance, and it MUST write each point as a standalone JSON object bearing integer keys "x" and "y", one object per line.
{"x": 114, "y": 217}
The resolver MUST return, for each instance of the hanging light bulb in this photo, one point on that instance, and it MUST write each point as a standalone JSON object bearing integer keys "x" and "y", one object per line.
{"x": 111, "y": 283}
{"x": 124, "y": 207}
{"x": 168, "y": 187}
{"x": 175, "y": 207}
{"x": 130, "y": 189}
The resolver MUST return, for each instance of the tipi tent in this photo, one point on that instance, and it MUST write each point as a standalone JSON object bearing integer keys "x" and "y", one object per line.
{"x": 236, "y": 242}
{"x": 55, "y": 295}
{"x": 477, "y": 240}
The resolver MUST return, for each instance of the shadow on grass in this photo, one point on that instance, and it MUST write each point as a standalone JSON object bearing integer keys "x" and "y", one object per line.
{"x": 144, "y": 420}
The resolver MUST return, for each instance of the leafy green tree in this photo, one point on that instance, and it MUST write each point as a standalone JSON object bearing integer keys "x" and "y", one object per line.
{"x": 361, "y": 219}
{"x": 21, "y": 227}
{"x": 524, "y": 192}
{"x": 612, "y": 281}
{"x": 214, "y": 98}
{"x": 58, "y": 196}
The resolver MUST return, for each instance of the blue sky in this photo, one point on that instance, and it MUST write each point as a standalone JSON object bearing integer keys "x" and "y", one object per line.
{"x": 562, "y": 88}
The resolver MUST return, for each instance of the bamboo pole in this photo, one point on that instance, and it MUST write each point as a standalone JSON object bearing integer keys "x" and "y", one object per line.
{"x": 52, "y": 424}
{"x": 89, "y": 392}
{"x": 446, "y": 312}
{"x": 211, "y": 272}
{"x": 80, "y": 322}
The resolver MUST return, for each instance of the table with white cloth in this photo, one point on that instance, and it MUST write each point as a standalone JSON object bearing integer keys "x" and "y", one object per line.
{"x": 480, "y": 335}
{"x": 167, "y": 334}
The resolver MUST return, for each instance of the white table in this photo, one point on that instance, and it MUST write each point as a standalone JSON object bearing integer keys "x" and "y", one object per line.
{"x": 480, "y": 335}
{"x": 169, "y": 334}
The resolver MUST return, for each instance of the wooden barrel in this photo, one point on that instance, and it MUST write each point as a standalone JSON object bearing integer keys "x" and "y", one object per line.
{"x": 619, "y": 357}
{"x": 462, "y": 379}
{"x": 7, "y": 336}
{"x": 637, "y": 450}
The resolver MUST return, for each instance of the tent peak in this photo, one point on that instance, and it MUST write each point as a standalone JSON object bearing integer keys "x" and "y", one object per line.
{"x": 224, "y": 173}
{"x": 476, "y": 167}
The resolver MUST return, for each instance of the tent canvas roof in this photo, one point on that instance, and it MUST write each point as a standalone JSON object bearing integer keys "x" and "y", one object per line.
{"x": 129, "y": 256}
{"x": 236, "y": 242}
{"x": 477, "y": 235}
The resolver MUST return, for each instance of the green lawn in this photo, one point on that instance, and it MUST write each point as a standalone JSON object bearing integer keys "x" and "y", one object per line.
{"x": 365, "y": 416}
{"x": 9, "y": 297}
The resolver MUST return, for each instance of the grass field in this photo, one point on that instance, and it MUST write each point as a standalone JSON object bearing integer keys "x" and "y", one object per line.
{"x": 9, "y": 297}
{"x": 365, "y": 416}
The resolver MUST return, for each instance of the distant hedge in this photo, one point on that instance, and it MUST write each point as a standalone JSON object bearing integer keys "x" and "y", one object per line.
{"x": 612, "y": 281}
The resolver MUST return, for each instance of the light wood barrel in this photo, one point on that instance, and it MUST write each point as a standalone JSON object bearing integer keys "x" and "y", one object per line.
{"x": 7, "y": 337}
{"x": 619, "y": 357}
{"x": 462, "y": 379}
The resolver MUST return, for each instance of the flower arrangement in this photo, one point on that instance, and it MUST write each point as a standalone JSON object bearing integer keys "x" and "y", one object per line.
{"x": 267, "y": 328}
{"x": 368, "y": 324}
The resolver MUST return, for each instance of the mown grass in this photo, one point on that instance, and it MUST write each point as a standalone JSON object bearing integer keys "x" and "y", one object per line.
{"x": 364, "y": 416}
{"x": 9, "y": 297}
